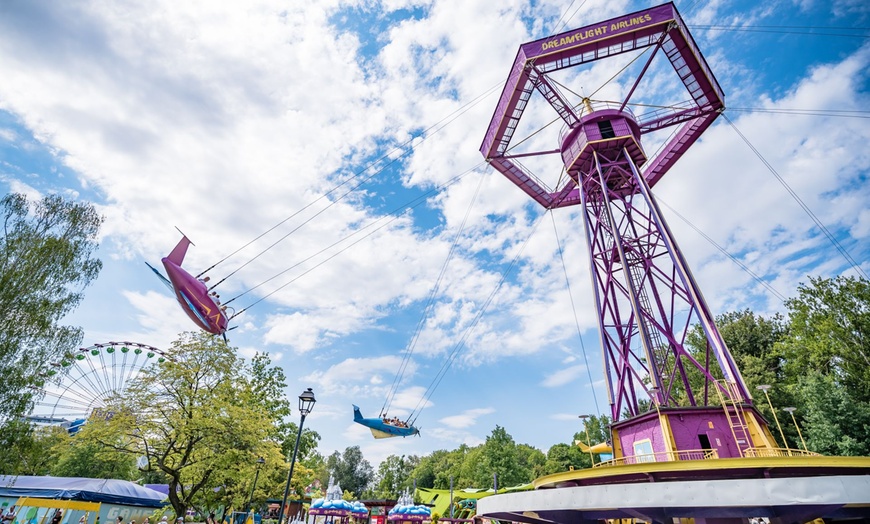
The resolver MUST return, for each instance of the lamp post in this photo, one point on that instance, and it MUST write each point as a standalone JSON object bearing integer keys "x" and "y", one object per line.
{"x": 764, "y": 388}
{"x": 791, "y": 412}
{"x": 306, "y": 403}
{"x": 260, "y": 462}
{"x": 584, "y": 418}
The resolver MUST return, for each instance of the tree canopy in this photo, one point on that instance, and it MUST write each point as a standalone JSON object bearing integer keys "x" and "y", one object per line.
{"x": 826, "y": 365}
{"x": 353, "y": 472}
{"x": 199, "y": 419}
{"x": 46, "y": 261}
{"x": 394, "y": 476}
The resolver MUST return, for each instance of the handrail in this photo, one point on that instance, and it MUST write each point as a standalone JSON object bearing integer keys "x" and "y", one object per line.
{"x": 778, "y": 452}
{"x": 662, "y": 456}
{"x": 594, "y": 105}
{"x": 702, "y": 454}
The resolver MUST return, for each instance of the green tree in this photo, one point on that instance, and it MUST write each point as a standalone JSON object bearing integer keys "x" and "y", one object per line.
{"x": 500, "y": 457}
{"x": 473, "y": 472}
{"x": 316, "y": 463}
{"x": 197, "y": 419}
{"x": 829, "y": 331}
{"x": 824, "y": 342}
{"x": 834, "y": 423}
{"x": 394, "y": 476}
{"x": 452, "y": 464}
{"x": 752, "y": 340}
{"x": 46, "y": 262}
{"x": 564, "y": 457}
{"x": 350, "y": 469}
{"x": 30, "y": 450}
{"x": 428, "y": 468}
{"x": 531, "y": 460}
{"x": 826, "y": 370}
{"x": 86, "y": 456}
{"x": 269, "y": 384}
{"x": 598, "y": 429}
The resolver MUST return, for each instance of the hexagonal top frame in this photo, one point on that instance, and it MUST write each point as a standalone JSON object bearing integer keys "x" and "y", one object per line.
{"x": 660, "y": 27}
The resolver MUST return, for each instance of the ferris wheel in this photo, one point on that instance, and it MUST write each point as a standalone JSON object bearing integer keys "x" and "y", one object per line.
{"x": 83, "y": 381}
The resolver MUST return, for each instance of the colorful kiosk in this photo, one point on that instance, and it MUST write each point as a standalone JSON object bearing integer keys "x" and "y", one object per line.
{"x": 360, "y": 512}
{"x": 333, "y": 509}
{"x": 36, "y": 500}
{"x": 408, "y": 512}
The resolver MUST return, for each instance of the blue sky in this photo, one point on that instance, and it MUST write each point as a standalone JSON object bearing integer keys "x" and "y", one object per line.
{"x": 223, "y": 120}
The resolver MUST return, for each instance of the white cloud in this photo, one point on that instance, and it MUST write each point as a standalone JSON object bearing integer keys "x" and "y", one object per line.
{"x": 466, "y": 419}
{"x": 454, "y": 438}
{"x": 861, "y": 229}
{"x": 17, "y": 186}
{"x": 159, "y": 315}
{"x": 564, "y": 416}
{"x": 355, "y": 375}
{"x": 563, "y": 376}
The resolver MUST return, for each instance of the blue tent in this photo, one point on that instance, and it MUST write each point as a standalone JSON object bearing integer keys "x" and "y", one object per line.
{"x": 72, "y": 488}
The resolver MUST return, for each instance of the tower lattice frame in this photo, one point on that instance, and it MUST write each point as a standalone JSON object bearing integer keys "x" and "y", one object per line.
{"x": 645, "y": 294}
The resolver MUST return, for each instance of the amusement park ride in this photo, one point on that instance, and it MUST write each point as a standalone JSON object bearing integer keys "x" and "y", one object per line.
{"x": 383, "y": 427}
{"x": 86, "y": 381}
{"x": 192, "y": 294}
{"x": 687, "y": 441}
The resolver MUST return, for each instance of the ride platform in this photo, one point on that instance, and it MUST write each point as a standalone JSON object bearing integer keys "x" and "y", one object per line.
{"x": 791, "y": 486}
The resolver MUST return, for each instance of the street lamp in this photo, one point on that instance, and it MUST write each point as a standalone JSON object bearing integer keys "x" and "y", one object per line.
{"x": 260, "y": 462}
{"x": 764, "y": 388}
{"x": 306, "y": 404}
{"x": 588, "y": 442}
{"x": 791, "y": 412}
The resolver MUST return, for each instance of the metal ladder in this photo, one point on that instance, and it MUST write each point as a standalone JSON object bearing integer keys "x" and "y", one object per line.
{"x": 659, "y": 349}
{"x": 734, "y": 413}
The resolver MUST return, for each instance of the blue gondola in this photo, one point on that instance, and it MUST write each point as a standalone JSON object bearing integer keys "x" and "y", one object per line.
{"x": 383, "y": 428}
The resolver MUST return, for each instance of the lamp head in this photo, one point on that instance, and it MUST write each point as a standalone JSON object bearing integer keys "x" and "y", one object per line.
{"x": 790, "y": 409}
{"x": 763, "y": 387}
{"x": 306, "y": 402}
{"x": 261, "y": 461}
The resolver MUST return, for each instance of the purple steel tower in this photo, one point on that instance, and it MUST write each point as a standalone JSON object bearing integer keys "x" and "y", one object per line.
{"x": 646, "y": 296}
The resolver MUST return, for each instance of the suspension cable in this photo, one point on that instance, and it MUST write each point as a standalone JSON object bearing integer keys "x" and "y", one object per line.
{"x": 839, "y": 113}
{"x": 430, "y": 303}
{"x": 800, "y": 202}
{"x": 403, "y": 147}
{"x": 783, "y": 30}
{"x": 722, "y": 250}
{"x": 396, "y": 213}
{"x": 470, "y": 329}
{"x": 576, "y": 317}
{"x": 565, "y": 23}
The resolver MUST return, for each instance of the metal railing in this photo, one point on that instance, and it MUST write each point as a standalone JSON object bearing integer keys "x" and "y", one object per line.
{"x": 662, "y": 456}
{"x": 596, "y": 105}
{"x": 778, "y": 452}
